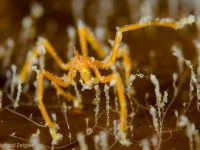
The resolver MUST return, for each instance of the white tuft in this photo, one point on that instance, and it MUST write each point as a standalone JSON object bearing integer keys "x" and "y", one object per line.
{"x": 100, "y": 33}
{"x": 70, "y": 137}
{"x": 159, "y": 105}
{"x": 9, "y": 43}
{"x": 197, "y": 44}
{"x": 64, "y": 111}
{"x": 88, "y": 129}
{"x": 27, "y": 22}
{"x": 153, "y": 113}
{"x": 1, "y": 96}
{"x": 193, "y": 79}
{"x": 101, "y": 141}
{"x": 184, "y": 21}
{"x": 78, "y": 95}
{"x": 155, "y": 141}
{"x": 183, "y": 121}
{"x": 175, "y": 78}
{"x": 35, "y": 141}
{"x": 115, "y": 129}
{"x": 144, "y": 20}
{"x": 37, "y": 10}
{"x": 53, "y": 115}
{"x": 71, "y": 32}
{"x": 34, "y": 68}
{"x": 96, "y": 142}
{"x": 166, "y": 20}
{"x": 176, "y": 51}
{"x": 19, "y": 91}
{"x": 96, "y": 101}
{"x": 129, "y": 89}
{"x": 145, "y": 144}
{"x": 81, "y": 141}
{"x": 41, "y": 50}
{"x": 104, "y": 140}
{"x": 106, "y": 90}
{"x": 13, "y": 81}
{"x": 80, "y": 23}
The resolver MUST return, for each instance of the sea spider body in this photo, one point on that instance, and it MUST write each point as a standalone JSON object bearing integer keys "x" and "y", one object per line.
{"x": 85, "y": 64}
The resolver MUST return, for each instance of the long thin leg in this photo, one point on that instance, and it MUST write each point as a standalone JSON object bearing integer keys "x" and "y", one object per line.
{"x": 122, "y": 103}
{"x": 162, "y": 23}
{"x": 67, "y": 95}
{"x": 24, "y": 71}
{"x": 52, "y": 126}
{"x": 42, "y": 42}
{"x": 123, "y": 52}
{"x": 118, "y": 51}
{"x": 122, "y": 100}
{"x": 86, "y": 35}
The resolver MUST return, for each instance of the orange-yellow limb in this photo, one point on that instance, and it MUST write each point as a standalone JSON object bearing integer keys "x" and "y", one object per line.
{"x": 52, "y": 126}
{"x": 131, "y": 27}
{"x": 58, "y": 80}
{"x": 124, "y": 53}
{"x": 67, "y": 95}
{"x": 35, "y": 53}
{"x": 85, "y": 35}
{"x": 122, "y": 103}
{"x": 24, "y": 71}
{"x": 122, "y": 100}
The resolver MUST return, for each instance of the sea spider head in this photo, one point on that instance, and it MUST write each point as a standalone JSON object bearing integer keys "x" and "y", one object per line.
{"x": 83, "y": 64}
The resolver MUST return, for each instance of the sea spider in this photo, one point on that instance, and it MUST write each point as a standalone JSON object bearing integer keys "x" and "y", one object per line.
{"x": 85, "y": 64}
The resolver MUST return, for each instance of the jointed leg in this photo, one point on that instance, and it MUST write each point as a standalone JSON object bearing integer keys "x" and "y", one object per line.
{"x": 124, "y": 53}
{"x": 67, "y": 95}
{"x": 42, "y": 44}
{"x": 86, "y": 35}
{"x": 122, "y": 100}
{"x": 52, "y": 126}
{"x": 162, "y": 23}
{"x": 27, "y": 65}
{"x": 122, "y": 103}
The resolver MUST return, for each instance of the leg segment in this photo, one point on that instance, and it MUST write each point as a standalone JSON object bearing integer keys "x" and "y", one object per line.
{"x": 51, "y": 125}
{"x": 86, "y": 35}
{"x": 122, "y": 100}
{"x": 42, "y": 42}
{"x": 24, "y": 71}
{"x": 124, "y": 53}
{"x": 67, "y": 95}
{"x": 132, "y": 27}
{"x": 122, "y": 103}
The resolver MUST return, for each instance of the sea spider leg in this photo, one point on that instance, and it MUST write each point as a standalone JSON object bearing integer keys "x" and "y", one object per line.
{"x": 124, "y": 53}
{"x": 86, "y": 35}
{"x": 122, "y": 100}
{"x": 67, "y": 95}
{"x": 52, "y": 126}
{"x": 132, "y": 27}
{"x": 35, "y": 53}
